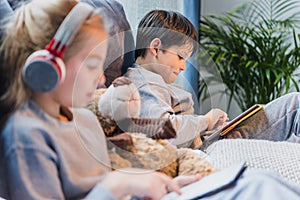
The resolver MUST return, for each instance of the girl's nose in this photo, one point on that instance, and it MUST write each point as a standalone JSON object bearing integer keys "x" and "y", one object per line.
{"x": 101, "y": 81}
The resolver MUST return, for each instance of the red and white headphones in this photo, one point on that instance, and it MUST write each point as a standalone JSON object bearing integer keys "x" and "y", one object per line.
{"x": 45, "y": 69}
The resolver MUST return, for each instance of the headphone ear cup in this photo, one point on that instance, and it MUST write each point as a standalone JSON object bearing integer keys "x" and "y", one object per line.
{"x": 43, "y": 71}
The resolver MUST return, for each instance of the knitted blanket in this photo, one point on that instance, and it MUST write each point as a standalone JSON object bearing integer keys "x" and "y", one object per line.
{"x": 281, "y": 157}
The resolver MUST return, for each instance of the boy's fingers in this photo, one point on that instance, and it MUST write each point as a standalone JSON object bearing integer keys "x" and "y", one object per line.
{"x": 121, "y": 81}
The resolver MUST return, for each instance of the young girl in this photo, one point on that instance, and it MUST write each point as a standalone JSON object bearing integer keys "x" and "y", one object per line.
{"x": 50, "y": 147}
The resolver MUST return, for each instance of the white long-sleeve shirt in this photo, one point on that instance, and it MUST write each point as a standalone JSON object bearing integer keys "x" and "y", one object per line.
{"x": 159, "y": 99}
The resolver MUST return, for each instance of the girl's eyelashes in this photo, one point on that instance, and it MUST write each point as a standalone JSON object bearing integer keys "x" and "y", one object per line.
{"x": 93, "y": 64}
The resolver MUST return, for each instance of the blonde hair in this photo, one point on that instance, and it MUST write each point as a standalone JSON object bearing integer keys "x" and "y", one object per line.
{"x": 31, "y": 28}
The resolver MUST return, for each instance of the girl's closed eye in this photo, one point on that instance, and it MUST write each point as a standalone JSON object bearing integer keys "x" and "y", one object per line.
{"x": 93, "y": 63}
{"x": 92, "y": 66}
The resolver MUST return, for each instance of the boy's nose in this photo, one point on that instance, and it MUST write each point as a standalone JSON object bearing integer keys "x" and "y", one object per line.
{"x": 182, "y": 66}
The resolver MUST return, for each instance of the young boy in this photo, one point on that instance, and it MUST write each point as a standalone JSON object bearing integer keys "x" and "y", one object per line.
{"x": 165, "y": 40}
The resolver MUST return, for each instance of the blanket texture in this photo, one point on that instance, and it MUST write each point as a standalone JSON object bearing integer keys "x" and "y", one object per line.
{"x": 281, "y": 157}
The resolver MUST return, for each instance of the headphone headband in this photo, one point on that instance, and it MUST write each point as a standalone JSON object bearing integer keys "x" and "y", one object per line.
{"x": 69, "y": 28}
{"x": 45, "y": 69}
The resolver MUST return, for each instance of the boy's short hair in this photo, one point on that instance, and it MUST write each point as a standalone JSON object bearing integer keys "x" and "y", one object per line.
{"x": 171, "y": 27}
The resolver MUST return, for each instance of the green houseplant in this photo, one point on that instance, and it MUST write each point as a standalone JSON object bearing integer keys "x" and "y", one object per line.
{"x": 254, "y": 49}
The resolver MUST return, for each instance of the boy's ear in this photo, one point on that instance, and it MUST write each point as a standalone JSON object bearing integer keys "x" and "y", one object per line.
{"x": 155, "y": 45}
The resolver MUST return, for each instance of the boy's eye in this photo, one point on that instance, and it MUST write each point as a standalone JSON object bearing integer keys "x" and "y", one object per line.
{"x": 180, "y": 57}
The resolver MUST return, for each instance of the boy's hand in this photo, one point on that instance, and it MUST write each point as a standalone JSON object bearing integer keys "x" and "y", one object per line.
{"x": 121, "y": 81}
{"x": 216, "y": 118}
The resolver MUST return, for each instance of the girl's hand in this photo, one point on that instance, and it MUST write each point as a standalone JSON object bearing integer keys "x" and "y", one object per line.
{"x": 151, "y": 185}
{"x": 182, "y": 181}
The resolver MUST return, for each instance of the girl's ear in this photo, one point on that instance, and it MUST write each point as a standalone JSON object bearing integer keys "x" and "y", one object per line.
{"x": 155, "y": 45}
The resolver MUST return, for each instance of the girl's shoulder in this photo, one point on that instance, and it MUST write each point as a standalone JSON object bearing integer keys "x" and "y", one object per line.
{"x": 23, "y": 131}
{"x": 23, "y": 123}
{"x": 30, "y": 126}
